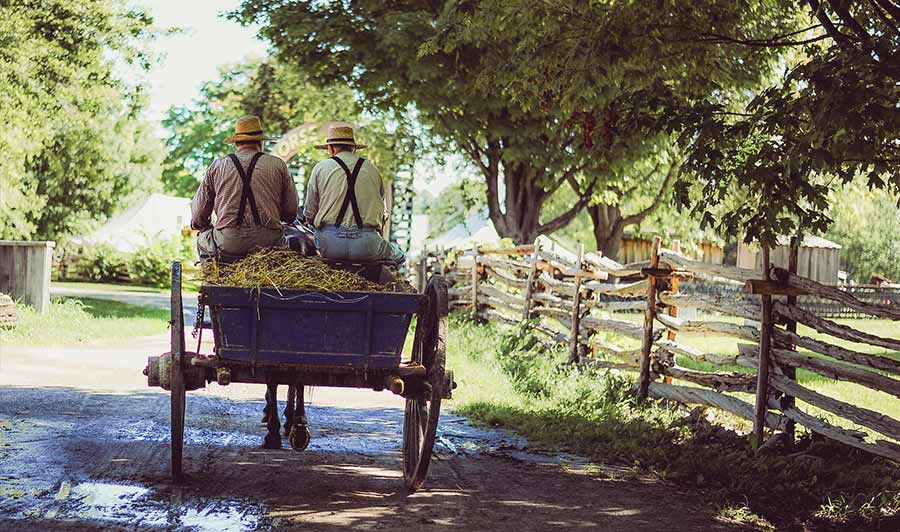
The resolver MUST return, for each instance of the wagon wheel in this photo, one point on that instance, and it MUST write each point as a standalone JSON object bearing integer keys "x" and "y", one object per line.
{"x": 423, "y": 408}
{"x": 176, "y": 328}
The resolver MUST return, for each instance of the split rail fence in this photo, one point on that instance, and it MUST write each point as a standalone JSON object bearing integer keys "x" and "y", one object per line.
{"x": 571, "y": 298}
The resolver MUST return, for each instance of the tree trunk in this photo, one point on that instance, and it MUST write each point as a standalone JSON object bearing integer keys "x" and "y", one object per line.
{"x": 609, "y": 229}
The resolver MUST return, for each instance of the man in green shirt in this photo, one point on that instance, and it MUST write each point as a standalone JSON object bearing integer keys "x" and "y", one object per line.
{"x": 345, "y": 203}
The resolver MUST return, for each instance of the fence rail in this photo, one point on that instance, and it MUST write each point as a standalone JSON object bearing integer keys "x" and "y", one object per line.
{"x": 570, "y": 298}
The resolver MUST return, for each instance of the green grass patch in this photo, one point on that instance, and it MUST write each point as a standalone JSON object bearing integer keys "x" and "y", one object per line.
{"x": 511, "y": 382}
{"x": 73, "y": 321}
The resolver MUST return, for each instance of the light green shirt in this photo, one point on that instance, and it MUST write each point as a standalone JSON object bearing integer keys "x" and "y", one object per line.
{"x": 328, "y": 185}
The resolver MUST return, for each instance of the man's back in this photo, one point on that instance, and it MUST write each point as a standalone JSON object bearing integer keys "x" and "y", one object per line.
{"x": 271, "y": 183}
{"x": 328, "y": 186}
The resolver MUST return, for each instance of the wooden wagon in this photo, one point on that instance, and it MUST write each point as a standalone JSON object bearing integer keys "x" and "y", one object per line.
{"x": 309, "y": 338}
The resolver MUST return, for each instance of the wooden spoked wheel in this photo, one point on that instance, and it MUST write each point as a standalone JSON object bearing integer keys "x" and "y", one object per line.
{"x": 423, "y": 407}
{"x": 176, "y": 379}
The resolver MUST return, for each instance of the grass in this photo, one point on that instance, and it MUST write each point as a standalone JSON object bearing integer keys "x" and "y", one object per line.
{"x": 110, "y": 286}
{"x": 816, "y": 485}
{"x": 74, "y": 321}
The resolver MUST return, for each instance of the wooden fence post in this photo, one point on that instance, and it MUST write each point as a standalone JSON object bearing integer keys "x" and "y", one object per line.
{"x": 673, "y": 310}
{"x": 574, "y": 355}
{"x": 765, "y": 341}
{"x": 475, "y": 283}
{"x": 649, "y": 315}
{"x": 789, "y": 371}
{"x": 529, "y": 286}
{"x": 423, "y": 270}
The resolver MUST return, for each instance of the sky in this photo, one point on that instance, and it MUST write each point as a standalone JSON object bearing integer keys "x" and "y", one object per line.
{"x": 209, "y": 41}
{"x": 190, "y": 58}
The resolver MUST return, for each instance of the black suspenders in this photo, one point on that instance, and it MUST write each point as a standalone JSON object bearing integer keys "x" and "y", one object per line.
{"x": 247, "y": 192}
{"x": 350, "y": 196}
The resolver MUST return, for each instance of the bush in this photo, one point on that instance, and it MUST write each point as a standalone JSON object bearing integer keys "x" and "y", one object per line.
{"x": 152, "y": 265}
{"x": 102, "y": 263}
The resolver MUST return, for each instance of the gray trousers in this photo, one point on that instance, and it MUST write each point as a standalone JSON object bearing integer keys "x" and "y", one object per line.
{"x": 237, "y": 240}
{"x": 350, "y": 243}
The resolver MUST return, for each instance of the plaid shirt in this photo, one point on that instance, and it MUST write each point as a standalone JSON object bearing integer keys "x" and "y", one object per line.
{"x": 220, "y": 192}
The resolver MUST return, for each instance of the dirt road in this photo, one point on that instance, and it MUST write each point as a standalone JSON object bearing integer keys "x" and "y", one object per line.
{"x": 84, "y": 446}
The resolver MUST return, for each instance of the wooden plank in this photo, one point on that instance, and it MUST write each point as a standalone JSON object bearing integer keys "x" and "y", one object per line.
{"x": 770, "y": 288}
{"x": 881, "y": 363}
{"x": 625, "y": 328}
{"x": 524, "y": 249}
{"x": 829, "y": 292}
{"x": 849, "y": 437}
{"x": 710, "y": 328}
{"x": 719, "y": 381}
{"x": 684, "y": 394}
{"x": 693, "y": 353}
{"x": 635, "y": 289}
{"x": 876, "y": 421}
{"x": 575, "y": 319}
{"x": 509, "y": 299}
{"x": 838, "y": 371}
{"x": 616, "y": 306}
{"x": 529, "y": 283}
{"x": 822, "y": 325}
{"x": 508, "y": 266}
{"x": 765, "y": 344}
{"x": 563, "y": 287}
{"x": 505, "y": 278}
{"x": 647, "y": 330}
{"x": 714, "y": 272}
{"x": 744, "y": 307}
{"x": 606, "y": 264}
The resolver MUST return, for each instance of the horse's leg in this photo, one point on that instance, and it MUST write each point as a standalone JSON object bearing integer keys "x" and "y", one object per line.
{"x": 300, "y": 435}
{"x": 265, "y": 416}
{"x": 273, "y": 424}
{"x": 289, "y": 410}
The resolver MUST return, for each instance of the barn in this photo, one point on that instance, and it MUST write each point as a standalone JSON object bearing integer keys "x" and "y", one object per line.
{"x": 819, "y": 258}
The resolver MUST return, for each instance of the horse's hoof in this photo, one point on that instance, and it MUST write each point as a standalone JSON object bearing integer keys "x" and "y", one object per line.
{"x": 272, "y": 441}
{"x": 299, "y": 438}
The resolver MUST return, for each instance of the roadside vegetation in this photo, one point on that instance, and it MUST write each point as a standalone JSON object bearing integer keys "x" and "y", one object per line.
{"x": 74, "y": 321}
{"x": 815, "y": 485}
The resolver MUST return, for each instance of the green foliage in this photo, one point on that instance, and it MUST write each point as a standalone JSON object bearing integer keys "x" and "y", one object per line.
{"x": 282, "y": 96}
{"x": 102, "y": 263}
{"x": 534, "y": 94}
{"x": 152, "y": 265}
{"x": 867, "y": 225}
{"x": 831, "y": 117}
{"x": 74, "y": 145}
{"x": 818, "y": 485}
{"x": 453, "y": 205}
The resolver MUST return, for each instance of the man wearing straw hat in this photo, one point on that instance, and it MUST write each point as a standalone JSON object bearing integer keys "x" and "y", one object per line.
{"x": 345, "y": 203}
{"x": 250, "y": 192}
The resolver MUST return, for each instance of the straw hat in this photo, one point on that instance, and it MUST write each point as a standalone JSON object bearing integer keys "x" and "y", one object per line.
{"x": 340, "y": 135}
{"x": 247, "y": 128}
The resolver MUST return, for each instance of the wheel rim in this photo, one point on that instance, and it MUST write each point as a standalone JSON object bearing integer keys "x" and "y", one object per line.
{"x": 423, "y": 411}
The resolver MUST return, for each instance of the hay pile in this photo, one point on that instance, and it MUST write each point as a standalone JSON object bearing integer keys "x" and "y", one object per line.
{"x": 286, "y": 269}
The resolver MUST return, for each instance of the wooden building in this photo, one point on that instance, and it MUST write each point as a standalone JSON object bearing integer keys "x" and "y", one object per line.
{"x": 636, "y": 249}
{"x": 819, "y": 259}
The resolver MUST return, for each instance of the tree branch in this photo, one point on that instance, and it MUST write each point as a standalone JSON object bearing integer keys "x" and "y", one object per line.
{"x": 637, "y": 218}
{"x": 565, "y": 218}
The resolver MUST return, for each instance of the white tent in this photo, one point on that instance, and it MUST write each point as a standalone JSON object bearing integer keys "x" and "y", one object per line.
{"x": 476, "y": 229}
{"x": 157, "y": 217}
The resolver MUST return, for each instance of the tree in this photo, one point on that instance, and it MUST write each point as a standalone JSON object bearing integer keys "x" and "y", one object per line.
{"x": 866, "y": 225}
{"x": 374, "y": 48}
{"x": 833, "y": 116}
{"x": 283, "y": 98}
{"x": 74, "y": 145}
{"x": 628, "y": 73}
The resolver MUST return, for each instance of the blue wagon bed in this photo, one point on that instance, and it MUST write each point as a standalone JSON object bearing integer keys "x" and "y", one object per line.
{"x": 312, "y": 338}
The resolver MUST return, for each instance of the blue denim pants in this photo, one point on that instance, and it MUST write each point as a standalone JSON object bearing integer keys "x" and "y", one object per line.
{"x": 352, "y": 243}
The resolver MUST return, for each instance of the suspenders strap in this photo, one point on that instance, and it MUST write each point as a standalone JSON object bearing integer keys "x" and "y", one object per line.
{"x": 350, "y": 196}
{"x": 246, "y": 191}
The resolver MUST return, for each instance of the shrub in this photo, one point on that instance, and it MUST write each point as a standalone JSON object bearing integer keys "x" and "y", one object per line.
{"x": 102, "y": 263}
{"x": 152, "y": 264}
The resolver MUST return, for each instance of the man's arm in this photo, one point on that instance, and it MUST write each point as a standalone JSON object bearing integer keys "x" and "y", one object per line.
{"x": 290, "y": 203}
{"x": 312, "y": 197}
{"x": 202, "y": 204}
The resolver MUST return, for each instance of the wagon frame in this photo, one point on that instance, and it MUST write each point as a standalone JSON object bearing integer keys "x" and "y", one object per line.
{"x": 298, "y": 356}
